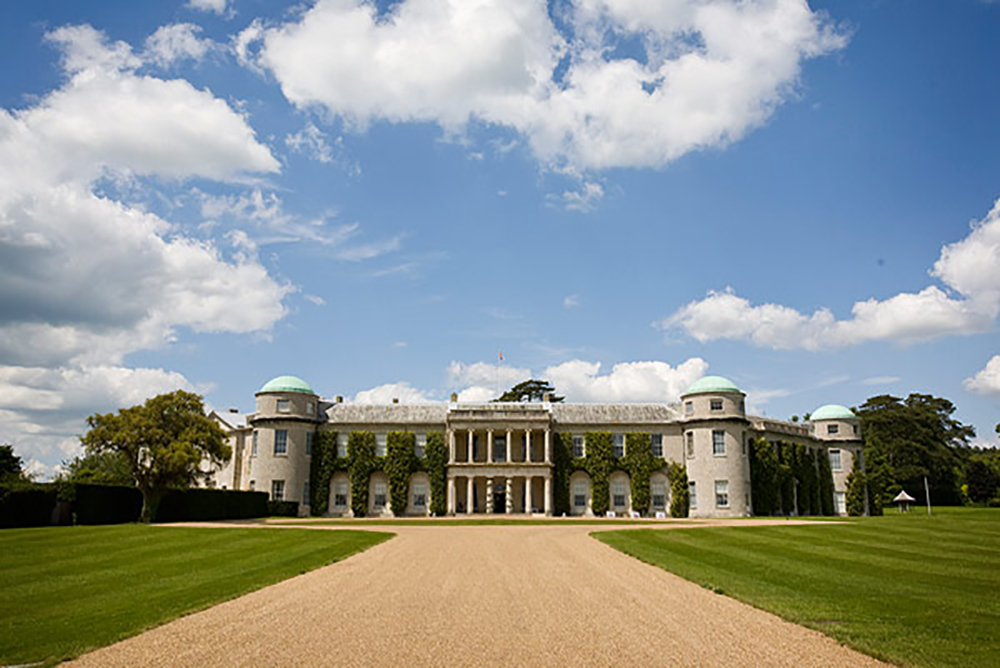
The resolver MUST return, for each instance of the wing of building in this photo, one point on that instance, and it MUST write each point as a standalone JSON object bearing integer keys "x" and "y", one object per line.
{"x": 539, "y": 458}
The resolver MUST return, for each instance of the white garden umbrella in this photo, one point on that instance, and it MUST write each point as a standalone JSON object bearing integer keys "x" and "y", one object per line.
{"x": 904, "y": 500}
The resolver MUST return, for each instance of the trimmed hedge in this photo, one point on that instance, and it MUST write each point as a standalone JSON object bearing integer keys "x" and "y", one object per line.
{"x": 104, "y": 504}
{"x": 30, "y": 505}
{"x": 193, "y": 505}
{"x": 283, "y": 508}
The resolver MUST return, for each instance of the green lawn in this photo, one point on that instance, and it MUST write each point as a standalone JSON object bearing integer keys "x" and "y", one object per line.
{"x": 912, "y": 589}
{"x": 458, "y": 522}
{"x": 70, "y": 589}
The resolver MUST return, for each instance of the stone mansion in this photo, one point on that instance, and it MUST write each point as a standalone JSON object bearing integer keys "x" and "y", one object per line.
{"x": 500, "y": 455}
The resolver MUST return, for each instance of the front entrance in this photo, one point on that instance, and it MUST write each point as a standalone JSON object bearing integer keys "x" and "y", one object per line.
{"x": 499, "y": 499}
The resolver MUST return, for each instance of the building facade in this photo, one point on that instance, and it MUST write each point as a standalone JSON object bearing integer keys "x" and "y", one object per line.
{"x": 500, "y": 456}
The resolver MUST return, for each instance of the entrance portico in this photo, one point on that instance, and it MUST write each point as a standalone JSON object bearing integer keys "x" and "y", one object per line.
{"x": 499, "y": 490}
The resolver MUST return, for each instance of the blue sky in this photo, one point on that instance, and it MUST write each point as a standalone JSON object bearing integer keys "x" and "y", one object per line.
{"x": 620, "y": 196}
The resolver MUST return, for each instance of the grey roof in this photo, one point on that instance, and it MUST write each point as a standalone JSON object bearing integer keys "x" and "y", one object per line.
{"x": 613, "y": 413}
{"x": 389, "y": 414}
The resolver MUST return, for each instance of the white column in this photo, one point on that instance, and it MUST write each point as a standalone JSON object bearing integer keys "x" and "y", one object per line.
{"x": 468, "y": 496}
{"x": 451, "y": 495}
{"x": 527, "y": 445}
{"x": 509, "y": 495}
{"x": 548, "y": 447}
{"x": 489, "y": 496}
{"x": 548, "y": 494}
{"x": 451, "y": 446}
{"x": 489, "y": 445}
{"x": 527, "y": 495}
{"x": 510, "y": 437}
{"x": 470, "y": 446}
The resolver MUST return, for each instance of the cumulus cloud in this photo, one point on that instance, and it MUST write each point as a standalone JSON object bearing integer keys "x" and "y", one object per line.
{"x": 86, "y": 279}
{"x": 213, "y": 6}
{"x": 177, "y": 42}
{"x": 707, "y": 71}
{"x": 970, "y": 270}
{"x": 987, "y": 380}
{"x": 384, "y": 394}
{"x": 571, "y": 301}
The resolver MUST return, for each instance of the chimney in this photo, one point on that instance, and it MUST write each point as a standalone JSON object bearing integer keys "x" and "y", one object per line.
{"x": 339, "y": 399}
{"x": 234, "y": 410}
{"x": 395, "y": 400}
{"x": 454, "y": 397}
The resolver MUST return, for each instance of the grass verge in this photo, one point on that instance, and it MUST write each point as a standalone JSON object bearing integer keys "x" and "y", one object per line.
{"x": 911, "y": 589}
{"x": 67, "y": 590}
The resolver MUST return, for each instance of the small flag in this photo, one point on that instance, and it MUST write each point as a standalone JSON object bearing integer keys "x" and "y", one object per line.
{"x": 500, "y": 355}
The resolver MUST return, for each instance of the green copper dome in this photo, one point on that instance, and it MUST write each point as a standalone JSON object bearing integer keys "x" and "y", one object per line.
{"x": 287, "y": 384}
{"x": 832, "y": 412}
{"x": 712, "y": 384}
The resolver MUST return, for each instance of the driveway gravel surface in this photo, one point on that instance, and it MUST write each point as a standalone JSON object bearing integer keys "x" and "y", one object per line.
{"x": 482, "y": 595}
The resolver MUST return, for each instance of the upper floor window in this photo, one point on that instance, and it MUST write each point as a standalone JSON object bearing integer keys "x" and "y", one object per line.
{"x": 499, "y": 448}
{"x": 419, "y": 495}
{"x": 835, "y": 463}
{"x": 716, "y": 404}
{"x": 578, "y": 450}
{"x": 284, "y": 406}
{"x": 420, "y": 445}
{"x": 380, "y": 441}
{"x": 689, "y": 437}
{"x": 722, "y": 493}
{"x": 280, "y": 442}
{"x": 656, "y": 444}
{"x": 856, "y": 430}
{"x": 310, "y": 409}
{"x": 619, "y": 445}
{"x": 277, "y": 490}
{"x": 688, "y": 407}
{"x": 341, "y": 445}
{"x": 309, "y": 443}
{"x": 253, "y": 447}
{"x": 718, "y": 442}
{"x": 833, "y": 428}
{"x": 741, "y": 406}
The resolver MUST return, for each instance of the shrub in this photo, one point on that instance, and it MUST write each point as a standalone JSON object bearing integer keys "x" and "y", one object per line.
{"x": 680, "y": 493}
{"x": 599, "y": 464}
{"x": 639, "y": 463}
{"x": 562, "y": 468}
{"x": 322, "y": 466}
{"x": 283, "y": 508}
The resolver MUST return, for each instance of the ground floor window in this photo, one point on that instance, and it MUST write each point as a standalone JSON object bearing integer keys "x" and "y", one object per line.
{"x": 580, "y": 495}
{"x": 618, "y": 494}
{"x": 841, "y": 502}
{"x": 419, "y": 495}
{"x": 659, "y": 496}
{"x": 277, "y": 490}
{"x": 692, "y": 495}
{"x": 305, "y": 493}
{"x": 340, "y": 495}
{"x": 380, "y": 492}
{"x": 722, "y": 493}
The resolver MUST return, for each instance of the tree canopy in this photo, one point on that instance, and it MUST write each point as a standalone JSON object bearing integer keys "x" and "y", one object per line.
{"x": 530, "y": 390}
{"x": 164, "y": 441}
{"x": 11, "y": 466}
{"x": 99, "y": 468}
{"x": 916, "y": 437}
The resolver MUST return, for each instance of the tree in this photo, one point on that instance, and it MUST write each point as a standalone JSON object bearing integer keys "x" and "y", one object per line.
{"x": 99, "y": 468}
{"x": 982, "y": 481}
{"x": 531, "y": 390}
{"x": 916, "y": 437}
{"x": 164, "y": 441}
{"x": 11, "y": 466}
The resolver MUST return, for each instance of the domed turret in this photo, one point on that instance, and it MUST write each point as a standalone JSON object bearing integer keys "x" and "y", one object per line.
{"x": 287, "y": 384}
{"x": 713, "y": 397}
{"x": 834, "y": 422}
{"x": 286, "y": 396}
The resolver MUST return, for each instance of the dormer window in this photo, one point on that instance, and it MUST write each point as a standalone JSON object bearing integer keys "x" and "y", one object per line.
{"x": 310, "y": 409}
{"x": 716, "y": 404}
{"x": 833, "y": 428}
{"x": 688, "y": 407}
{"x": 284, "y": 405}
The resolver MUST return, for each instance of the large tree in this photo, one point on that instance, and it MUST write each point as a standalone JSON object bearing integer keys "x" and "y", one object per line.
{"x": 531, "y": 390}
{"x": 164, "y": 440}
{"x": 916, "y": 437}
{"x": 99, "y": 468}
{"x": 11, "y": 466}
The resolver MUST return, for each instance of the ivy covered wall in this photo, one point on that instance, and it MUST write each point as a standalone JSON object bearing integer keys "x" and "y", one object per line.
{"x": 777, "y": 469}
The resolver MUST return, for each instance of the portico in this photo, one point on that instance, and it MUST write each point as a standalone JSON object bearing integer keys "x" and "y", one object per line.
{"x": 499, "y": 489}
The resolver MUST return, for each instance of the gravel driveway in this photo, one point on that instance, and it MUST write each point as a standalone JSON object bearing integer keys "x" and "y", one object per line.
{"x": 482, "y": 595}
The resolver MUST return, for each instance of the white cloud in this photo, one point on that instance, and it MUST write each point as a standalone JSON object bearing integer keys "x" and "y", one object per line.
{"x": 571, "y": 301}
{"x": 582, "y": 200}
{"x": 384, "y": 394}
{"x": 880, "y": 380}
{"x": 214, "y": 6}
{"x": 987, "y": 380}
{"x": 708, "y": 72}
{"x": 628, "y": 381}
{"x": 176, "y": 42}
{"x": 970, "y": 268}
{"x": 460, "y": 374}
{"x": 758, "y": 398}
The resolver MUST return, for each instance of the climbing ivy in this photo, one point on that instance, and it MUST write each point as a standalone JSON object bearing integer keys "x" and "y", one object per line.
{"x": 599, "y": 464}
{"x": 362, "y": 463}
{"x": 680, "y": 494}
{"x": 322, "y": 466}
{"x": 775, "y": 471}
{"x": 825, "y": 487}
{"x": 857, "y": 490}
{"x": 764, "y": 474}
{"x": 400, "y": 463}
{"x": 562, "y": 469}
{"x": 435, "y": 462}
{"x": 639, "y": 463}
